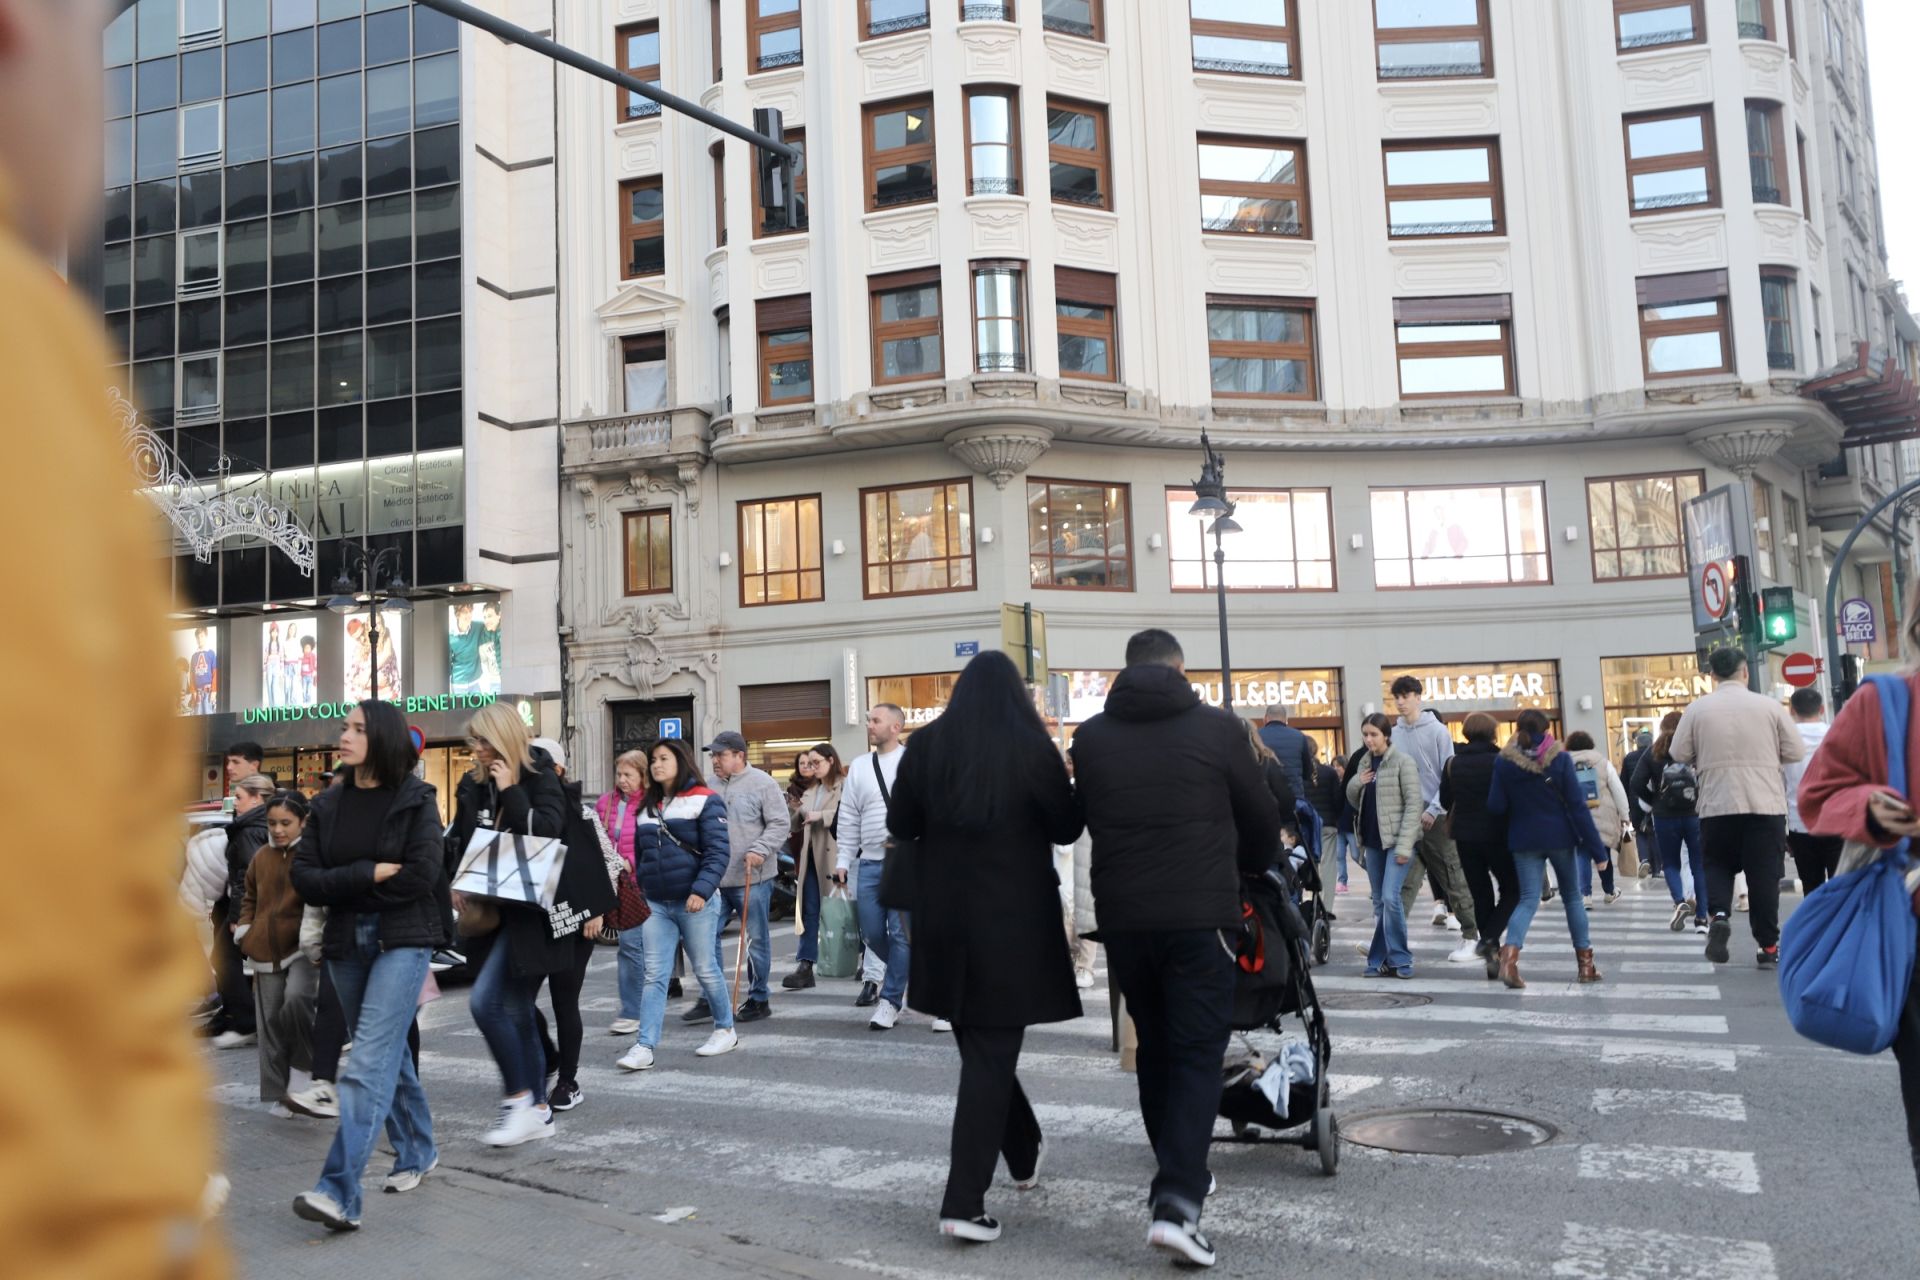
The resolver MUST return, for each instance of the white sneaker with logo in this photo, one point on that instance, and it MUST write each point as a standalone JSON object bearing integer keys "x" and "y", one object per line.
{"x": 885, "y": 1014}
{"x": 723, "y": 1040}
{"x": 623, "y": 1026}
{"x": 1467, "y": 954}
{"x": 520, "y": 1121}
{"x": 638, "y": 1058}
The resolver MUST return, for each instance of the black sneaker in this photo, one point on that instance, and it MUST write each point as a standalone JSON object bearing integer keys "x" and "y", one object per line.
{"x": 565, "y": 1096}
{"x": 1768, "y": 957}
{"x": 673, "y": 989}
{"x": 1717, "y": 934}
{"x": 868, "y": 997}
{"x": 1182, "y": 1239}
{"x": 701, "y": 1012}
{"x": 753, "y": 1011}
{"x": 801, "y": 978}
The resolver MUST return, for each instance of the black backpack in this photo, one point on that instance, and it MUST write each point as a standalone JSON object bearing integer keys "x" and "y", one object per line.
{"x": 1679, "y": 784}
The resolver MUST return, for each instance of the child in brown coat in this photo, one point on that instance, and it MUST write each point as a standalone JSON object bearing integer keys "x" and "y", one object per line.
{"x": 286, "y": 983}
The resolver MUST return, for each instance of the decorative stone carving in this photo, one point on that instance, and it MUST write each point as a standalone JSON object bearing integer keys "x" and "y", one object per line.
{"x": 1242, "y": 105}
{"x": 932, "y": 394}
{"x": 991, "y": 54}
{"x": 999, "y": 453}
{"x": 1270, "y": 267}
{"x": 640, "y": 155}
{"x": 781, "y": 90}
{"x": 1666, "y": 80}
{"x": 890, "y": 67}
{"x": 1673, "y": 243}
{"x": 589, "y": 498}
{"x": 906, "y": 239}
{"x": 1076, "y": 67}
{"x": 781, "y": 267}
{"x": 1087, "y": 238}
{"x": 1780, "y": 240}
{"x": 682, "y": 481}
{"x": 1421, "y": 111}
{"x": 1089, "y": 393}
{"x": 998, "y": 226}
{"x": 638, "y": 308}
{"x": 1001, "y": 387}
{"x": 717, "y": 281}
{"x": 1444, "y": 269}
{"x": 1740, "y": 449}
{"x": 638, "y": 10}
{"x": 1766, "y": 66}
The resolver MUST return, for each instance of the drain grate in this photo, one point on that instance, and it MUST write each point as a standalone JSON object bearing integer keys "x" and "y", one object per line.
{"x": 1372, "y": 1000}
{"x": 1445, "y": 1131}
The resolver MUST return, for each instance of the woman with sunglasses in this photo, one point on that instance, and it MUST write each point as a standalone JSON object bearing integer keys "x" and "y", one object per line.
{"x": 813, "y": 865}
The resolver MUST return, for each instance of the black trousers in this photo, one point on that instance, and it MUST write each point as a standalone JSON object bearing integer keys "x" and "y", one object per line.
{"x": 563, "y": 990}
{"x": 330, "y": 1032}
{"x": 230, "y": 974}
{"x": 1488, "y": 865}
{"x": 1815, "y": 858}
{"x": 1753, "y": 843}
{"x": 1906, "y": 1051}
{"x": 991, "y": 1118}
{"x": 1178, "y": 986}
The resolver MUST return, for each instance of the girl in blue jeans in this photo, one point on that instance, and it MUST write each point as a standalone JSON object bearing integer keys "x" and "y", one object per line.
{"x": 1387, "y": 804}
{"x": 1534, "y": 784}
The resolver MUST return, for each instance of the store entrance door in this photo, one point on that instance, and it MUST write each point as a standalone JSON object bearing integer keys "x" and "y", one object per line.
{"x": 635, "y": 724}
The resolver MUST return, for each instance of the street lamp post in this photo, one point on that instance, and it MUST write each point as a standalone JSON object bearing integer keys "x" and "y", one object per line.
{"x": 1210, "y": 493}
{"x": 345, "y": 600}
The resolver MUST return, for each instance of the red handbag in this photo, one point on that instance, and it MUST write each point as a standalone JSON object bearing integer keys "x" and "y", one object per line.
{"x": 632, "y": 911}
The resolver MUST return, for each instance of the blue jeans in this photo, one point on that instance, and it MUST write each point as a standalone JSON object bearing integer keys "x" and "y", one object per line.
{"x": 1671, "y": 834}
{"x": 670, "y": 925}
{"x": 809, "y": 919}
{"x": 1586, "y": 877}
{"x": 883, "y": 932}
{"x": 502, "y": 1007}
{"x": 1386, "y": 876}
{"x": 379, "y": 992}
{"x": 630, "y": 972}
{"x": 1532, "y": 866}
{"x": 754, "y": 925}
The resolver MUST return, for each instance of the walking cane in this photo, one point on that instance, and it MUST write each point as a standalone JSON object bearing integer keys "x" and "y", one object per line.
{"x": 740, "y": 956}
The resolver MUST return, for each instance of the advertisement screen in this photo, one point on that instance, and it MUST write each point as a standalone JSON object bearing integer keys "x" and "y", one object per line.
{"x": 289, "y": 662}
{"x": 473, "y": 647}
{"x": 358, "y": 661}
{"x": 196, "y": 662}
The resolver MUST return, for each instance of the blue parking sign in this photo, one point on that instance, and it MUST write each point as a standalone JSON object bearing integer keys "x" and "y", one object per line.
{"x": 670, "y": 727}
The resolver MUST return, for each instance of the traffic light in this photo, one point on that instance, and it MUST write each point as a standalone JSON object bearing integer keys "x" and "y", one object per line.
{"x": 775, "y": 173}
{"x": 1778, "y": 624}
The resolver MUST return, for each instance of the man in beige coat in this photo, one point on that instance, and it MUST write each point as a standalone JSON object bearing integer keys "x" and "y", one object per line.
{"x": 1736, "y": 740}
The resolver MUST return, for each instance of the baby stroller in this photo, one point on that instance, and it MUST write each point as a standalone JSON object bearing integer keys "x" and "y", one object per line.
{"x": 1304, "y": 863}
{"x": 1291, "y": 1091}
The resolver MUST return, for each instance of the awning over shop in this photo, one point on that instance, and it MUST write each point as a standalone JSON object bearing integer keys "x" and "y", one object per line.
{"x": 1871, "y": 395}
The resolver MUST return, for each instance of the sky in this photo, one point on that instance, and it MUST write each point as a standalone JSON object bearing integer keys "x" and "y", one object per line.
{"x": 1893, "y": 33}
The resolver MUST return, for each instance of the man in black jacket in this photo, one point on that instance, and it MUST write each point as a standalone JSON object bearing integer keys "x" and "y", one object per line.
{"x": 1178, "y": 811}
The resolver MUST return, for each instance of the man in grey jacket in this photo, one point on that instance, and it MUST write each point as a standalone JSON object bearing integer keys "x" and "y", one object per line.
{"x": 757, "y": 822}
{"x": 1421, "y": 735}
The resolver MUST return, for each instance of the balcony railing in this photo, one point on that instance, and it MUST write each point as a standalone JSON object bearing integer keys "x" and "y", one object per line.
{"x": 986, "y": 13}
{"x": 652, "y": 431}
{"x": 771, "y": 61}
{"x": 1074, "y": 195}
{"x": 1778, "y": 359}
{"x": 993, "y": 187}
{"x": 1653, "y": 39}
{"x": 903, "y": 195}
{"x": 1767, "y": 195}
{"x": 1754, "y": 31}
{"x": 894, "y": 26}
{"x": 1479, "y": 228}
{"x": 1239, "y": 66}
{"x": 1432, "y": 70}
{"x": 1255, "y": 226}
{"x": 1677, "y": 200}
{"x": 1067, "y": 26}
{"x": 1000, "y": 362}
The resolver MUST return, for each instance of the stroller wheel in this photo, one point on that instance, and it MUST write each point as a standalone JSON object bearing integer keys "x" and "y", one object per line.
{"x": 1322, "y": 941}
{"x": 1326, "y": 1139}
{"x": 1241, "y": 1130}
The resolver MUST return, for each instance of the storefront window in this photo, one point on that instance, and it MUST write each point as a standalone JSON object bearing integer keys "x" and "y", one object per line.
{"x": 1486, "y": 536}
{"x": 921, "y": 698}
{"x": 1501, "y": 689}
{"x": 1286, "y": 544}
{"x": 1638, "y": 692}
{"x": 1315, "y": 698}
{"x": 779, "y": 721}
{"x": 1633, "y": 524}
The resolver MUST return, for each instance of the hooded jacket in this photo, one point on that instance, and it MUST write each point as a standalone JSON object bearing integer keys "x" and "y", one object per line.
{"x": 1430, "y": 743}
{"x": 1175, "y": 803}
{"x": 269, "y": 911}
{"x": 1545, "y": 807}
{"x": 411, "y": 905}
{"x": 1396, "y": 797}
{"x": 1464, "y": 785}
{"x": 245, "y": 835}
{"x": 682, "y": 852}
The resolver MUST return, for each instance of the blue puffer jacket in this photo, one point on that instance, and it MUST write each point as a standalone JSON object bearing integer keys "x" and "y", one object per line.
{"x": 1545, "y": 807}
{"x": 687, "y": 853}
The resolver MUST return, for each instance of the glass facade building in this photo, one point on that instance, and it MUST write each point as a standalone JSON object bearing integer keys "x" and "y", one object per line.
{"x": 280, "y": 271}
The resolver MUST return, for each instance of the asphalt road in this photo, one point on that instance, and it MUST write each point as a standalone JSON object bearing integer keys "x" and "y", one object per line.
{"x": 1693, "y": 1135}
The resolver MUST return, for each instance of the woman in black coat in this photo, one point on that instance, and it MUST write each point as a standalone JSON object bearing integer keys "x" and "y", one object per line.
{"x": 985, "y": 792}
{"x": 1480, "y": 836}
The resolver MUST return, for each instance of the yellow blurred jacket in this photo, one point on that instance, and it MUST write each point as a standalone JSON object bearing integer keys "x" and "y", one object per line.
{"x": 105, "y": 1134}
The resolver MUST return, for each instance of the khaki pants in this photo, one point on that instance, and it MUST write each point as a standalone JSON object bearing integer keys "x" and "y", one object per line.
{"x": 1436, "y": 858}
{"x": 284, "y": 1005}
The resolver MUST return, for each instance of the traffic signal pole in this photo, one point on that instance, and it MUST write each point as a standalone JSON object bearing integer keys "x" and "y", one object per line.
{"x": 1834, "y": 651}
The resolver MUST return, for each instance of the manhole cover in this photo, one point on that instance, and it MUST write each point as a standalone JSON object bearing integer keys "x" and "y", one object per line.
{"x": 1371, "y": 1000}
{"x": 1443, "y": 1131}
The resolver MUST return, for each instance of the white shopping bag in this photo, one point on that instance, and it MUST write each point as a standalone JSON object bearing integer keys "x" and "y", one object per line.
{"x": 524, "y": 870}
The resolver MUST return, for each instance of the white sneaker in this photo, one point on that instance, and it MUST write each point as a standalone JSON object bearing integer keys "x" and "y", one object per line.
{"x": 1184, "y": 1241}
{"x": 318, "y": 1101}
{"x": 638, "y": 1058}
{"x": 318, "y": 1206}
{"x": 1083, "y": 980}
{"x": 1439, "y": 913}
{"x": 407, "y": 1179}
{"x": 235, "y": 1040}
{"x": 980, "y": 1230}
{"x": 1453, "y": 922}
{"x": 885, "y": 1014}
{"x": 279, "y": 1111}
{"x": 623, "y": 1026}
{"x": 519, "y": 1122}
{"x": 1586, "y": 900}
{"x": 941, "y": 1024}
{"x": 723, "y": 1040}
{"x": 1467, "y": 954}
{"x": 1032, "y": 1180}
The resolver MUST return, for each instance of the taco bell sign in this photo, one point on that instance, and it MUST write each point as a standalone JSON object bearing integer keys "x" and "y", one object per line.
{"x": 1856, "y": 622}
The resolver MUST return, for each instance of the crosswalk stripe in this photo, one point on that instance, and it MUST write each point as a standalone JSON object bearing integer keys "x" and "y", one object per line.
{"x": 1699, "y": 1167}
{"x": 1667, "y": 968}
{"x": 1666, "y": 1054}
{"x": 1524, "y": 1019}
{"x": 1689, "y": 944}
{"x": 1605, "y": 1253}
{"x": 1536, "y": 988}
{"x": 1677, "y": 1102}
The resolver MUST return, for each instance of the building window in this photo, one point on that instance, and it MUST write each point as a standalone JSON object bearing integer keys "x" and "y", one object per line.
{"x": 1790, "y": 534}
{"x": 1259, "y": 349}
{"x": 1763, "y": 539}
{"x": 773, "y": 34}
{"x": 199, "y": 18}
{"x": 783, "y": 721}
{"x": 1819, "y": 333}
{"x": 888, "y": 17}
{"x": 917, "y": 539}
{"x": 999, "y": 318}
{"x": 1767, "y": 153}
{"x": 649, "y": 552}
{"x": 639, "y": 49}
{"x": 1683, "y": 324}
{"x": 993, "y": 142}
{"x": 715, "y": 46}
{"x": 1432, "y": 39}
{"x": 643, "y": 367}
{"x": 198, "y": 384}
{"x": 906, "y": 326}
{"x": 1081, "y": 18}
{"x": 773, "y": 222}
{"x": 899, "y": 153}
{"x": 1443, "y": 189}
{"x": 1083, "y": 314}
{"x": 643, "y": 229}
{"x": 1287, "y": 545}
{"x": 1078, "y": 535}
{"x": 1800, "y": 157}
{"x": 1670, "y": 161}
{"x": 1253, "y": 188}
{"x": 200, "y": 257}
{"x": 1777, "y": 297}
{"x": 786, "y": 350}
{"x": 1077, "y": 154}
{"x": 780, "y": 551}
{"x": 1756, "y": 19}
{"x": 986, "y": 10}
{"x": 200, "y": 135}
{"x": 1246, "y": 37}
{"x": 718, "y": 154}
{"x": 1454, "y": 346}
{"x": 1633, "y": 524}
{"x": 1648, "y": 24}
{"x": 1488, "y": 536}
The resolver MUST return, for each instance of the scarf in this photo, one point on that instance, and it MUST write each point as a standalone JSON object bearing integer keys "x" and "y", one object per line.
{"x": 620, "y": 814}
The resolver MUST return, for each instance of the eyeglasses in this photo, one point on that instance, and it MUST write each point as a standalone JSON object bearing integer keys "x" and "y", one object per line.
{"x": 479, "y": 744}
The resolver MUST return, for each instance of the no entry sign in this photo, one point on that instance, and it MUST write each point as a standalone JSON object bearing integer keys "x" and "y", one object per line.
{"x": 1800, "y": 669}
{"x": 1713, "y": 589}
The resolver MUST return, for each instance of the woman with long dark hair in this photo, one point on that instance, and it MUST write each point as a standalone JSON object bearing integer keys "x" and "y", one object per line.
{"x": 813, "y": 864}
{"x": 1481, "y": 837}
{"x": 985, "y": 792}
{"x": 372, "y": 854}
{"x": 1676, "y": 826}
{"x": 1384, "y": 790}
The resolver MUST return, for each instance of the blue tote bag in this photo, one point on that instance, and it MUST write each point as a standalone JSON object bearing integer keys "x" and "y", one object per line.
{"x": 1846, "y": 956}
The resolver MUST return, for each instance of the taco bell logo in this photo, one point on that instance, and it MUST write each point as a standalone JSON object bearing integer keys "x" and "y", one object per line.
{"x": 1856, "y": 622}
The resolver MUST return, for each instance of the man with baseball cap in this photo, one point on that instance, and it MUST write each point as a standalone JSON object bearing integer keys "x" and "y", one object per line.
{"x": 757, "y": 822}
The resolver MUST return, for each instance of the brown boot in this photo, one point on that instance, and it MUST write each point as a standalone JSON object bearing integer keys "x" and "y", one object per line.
{"x": 1510, "y": 967}
{"x": 1587, "y": 972}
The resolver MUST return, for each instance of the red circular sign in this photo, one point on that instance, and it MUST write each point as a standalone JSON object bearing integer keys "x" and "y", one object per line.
{"x": 1713, "y": 589}
{"x": 1800, "y": 669}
